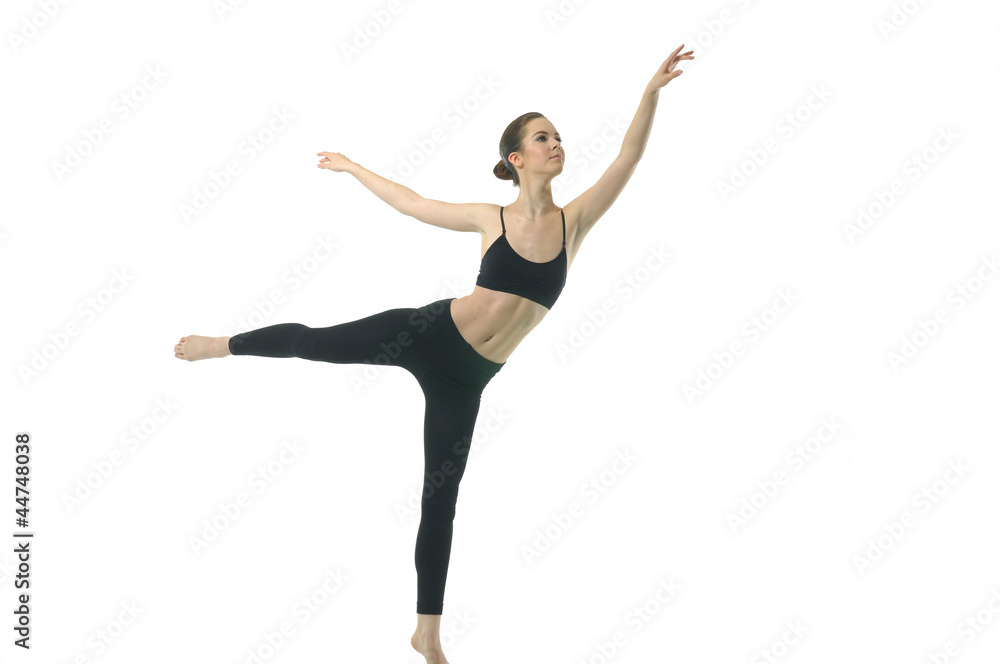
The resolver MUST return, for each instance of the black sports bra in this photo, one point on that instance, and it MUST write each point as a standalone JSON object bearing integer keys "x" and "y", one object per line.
{"x": 503, "y": 269}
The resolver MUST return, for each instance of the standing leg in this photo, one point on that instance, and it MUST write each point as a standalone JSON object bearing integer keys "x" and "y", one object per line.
{"x": 449, "y": 421}
{"x": 453, "y": 386}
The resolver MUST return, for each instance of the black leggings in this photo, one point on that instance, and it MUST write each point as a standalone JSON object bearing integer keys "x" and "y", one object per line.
{"x": 452, "y": 375}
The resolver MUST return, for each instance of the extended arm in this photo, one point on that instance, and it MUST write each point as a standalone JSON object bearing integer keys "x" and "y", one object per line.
{"x": 398, "y": 196}
{"x": 455, "y": 217}
{"x": 634, "y": 143}
{"x": 593, "y": 203}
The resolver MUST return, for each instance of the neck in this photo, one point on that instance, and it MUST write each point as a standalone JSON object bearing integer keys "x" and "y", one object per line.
{"x": 534, "y": 199}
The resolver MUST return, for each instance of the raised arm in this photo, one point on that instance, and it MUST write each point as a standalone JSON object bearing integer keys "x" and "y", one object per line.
{"x": 593, "y": 203}
{"x": 453, "y": 216}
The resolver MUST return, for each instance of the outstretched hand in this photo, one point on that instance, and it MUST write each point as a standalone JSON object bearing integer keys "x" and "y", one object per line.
{"x": 333, "y": 161}
{"x": 666, "y": 72}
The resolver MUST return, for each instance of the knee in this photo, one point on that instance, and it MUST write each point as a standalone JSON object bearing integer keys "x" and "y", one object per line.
{"x": 301, "y": 341}
{"x": 441, "y": 487}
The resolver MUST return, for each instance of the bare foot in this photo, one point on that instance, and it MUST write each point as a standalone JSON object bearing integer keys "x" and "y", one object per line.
{"x": 194, "y": 347}
{"x": 429, "y": 647}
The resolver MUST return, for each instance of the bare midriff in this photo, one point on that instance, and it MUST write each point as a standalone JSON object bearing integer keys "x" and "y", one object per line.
{"x": 495, "y": 323}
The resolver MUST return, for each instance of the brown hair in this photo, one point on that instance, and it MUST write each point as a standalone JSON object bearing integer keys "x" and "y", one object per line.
{"x": 511, "y": 142}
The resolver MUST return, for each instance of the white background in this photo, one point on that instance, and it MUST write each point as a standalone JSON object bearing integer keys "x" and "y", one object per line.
{"x": 816, "y": 552}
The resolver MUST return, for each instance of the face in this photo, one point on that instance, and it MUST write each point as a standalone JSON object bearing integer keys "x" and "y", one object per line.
{"x": 542, "y": 147}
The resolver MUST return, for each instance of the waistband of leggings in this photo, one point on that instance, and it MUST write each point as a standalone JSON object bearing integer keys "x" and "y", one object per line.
{"x": 459, "y": 339}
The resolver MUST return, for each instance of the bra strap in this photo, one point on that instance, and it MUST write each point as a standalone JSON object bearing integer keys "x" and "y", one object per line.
{"x": 501, "y": 222}
{"x": 564, "y": 225}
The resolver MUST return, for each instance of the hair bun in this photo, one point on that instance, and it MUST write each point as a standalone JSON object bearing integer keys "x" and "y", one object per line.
{"x": 500, "y": 170}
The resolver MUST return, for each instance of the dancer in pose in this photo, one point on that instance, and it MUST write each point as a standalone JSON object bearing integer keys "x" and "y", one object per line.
{"x": 454, "y": 346}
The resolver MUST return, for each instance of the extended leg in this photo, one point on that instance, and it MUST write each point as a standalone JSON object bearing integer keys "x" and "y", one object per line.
{"x": 370, "y": 340}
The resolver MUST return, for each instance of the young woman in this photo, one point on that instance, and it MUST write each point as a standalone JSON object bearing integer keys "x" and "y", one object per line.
{"x": 454, "y": 346}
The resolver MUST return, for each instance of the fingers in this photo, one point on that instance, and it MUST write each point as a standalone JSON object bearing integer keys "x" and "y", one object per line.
{"x": 673, "y": 58}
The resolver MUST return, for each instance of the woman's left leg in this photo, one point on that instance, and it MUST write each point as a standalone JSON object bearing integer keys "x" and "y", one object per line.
{"x": 452, "y": 384}
{"x": 449, "y": 421}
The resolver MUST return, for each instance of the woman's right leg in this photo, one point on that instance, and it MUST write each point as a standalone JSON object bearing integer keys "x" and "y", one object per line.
{"x": 382, "y": 338}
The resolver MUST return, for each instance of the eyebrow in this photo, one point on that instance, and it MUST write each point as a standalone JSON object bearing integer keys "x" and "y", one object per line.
{"x": 540, "y": 132}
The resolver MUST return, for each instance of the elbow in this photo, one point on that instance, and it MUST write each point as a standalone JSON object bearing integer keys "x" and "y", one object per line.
{"x": 409, "y": 203}
{"x": 630, "y": 157}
